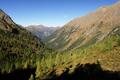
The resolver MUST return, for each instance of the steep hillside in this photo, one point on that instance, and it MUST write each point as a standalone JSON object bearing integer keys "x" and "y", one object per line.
{"x": 17, "y": 45}
{"x": 41, "y": 31}
{"x": 100, "y": 61}
{"x": 93, "y": 40}
{"x": 86, "y": 30}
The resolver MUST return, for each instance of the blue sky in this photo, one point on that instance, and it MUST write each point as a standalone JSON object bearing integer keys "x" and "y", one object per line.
{"x": 49, "y": 12}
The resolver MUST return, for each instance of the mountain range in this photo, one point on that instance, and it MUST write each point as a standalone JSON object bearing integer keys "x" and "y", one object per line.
{"x": 86, "y": 48}
{"x": 41, "y": 31}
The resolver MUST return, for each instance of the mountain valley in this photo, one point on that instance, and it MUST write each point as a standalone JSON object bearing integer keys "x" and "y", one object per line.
{"x": 86, "y": 48}
{"x": 41, "y": 31}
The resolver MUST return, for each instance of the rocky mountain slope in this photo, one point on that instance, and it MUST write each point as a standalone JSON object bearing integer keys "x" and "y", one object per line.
{"x": 41, "y": 31}
{"x": 99, "y": 61}
{"x": 25, "y": 56}
{"x": 86, "y": 30}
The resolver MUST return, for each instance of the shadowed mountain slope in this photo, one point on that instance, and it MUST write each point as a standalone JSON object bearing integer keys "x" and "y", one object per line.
{"x": 17, "y": 45}
{"x": 87, "y": 72}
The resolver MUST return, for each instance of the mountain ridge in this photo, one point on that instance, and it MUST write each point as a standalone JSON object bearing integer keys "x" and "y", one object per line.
{"x": 18, "y": 47}
{"x": 86, "y": 48}
{"x": 92, "y": 27}
{"x": 41, "y": 31}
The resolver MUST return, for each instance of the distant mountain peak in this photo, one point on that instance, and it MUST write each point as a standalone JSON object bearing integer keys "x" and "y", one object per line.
{"x": 41, "y": 31}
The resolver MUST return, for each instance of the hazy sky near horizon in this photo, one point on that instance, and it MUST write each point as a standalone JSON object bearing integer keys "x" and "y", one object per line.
{"x": 49, "y": 12}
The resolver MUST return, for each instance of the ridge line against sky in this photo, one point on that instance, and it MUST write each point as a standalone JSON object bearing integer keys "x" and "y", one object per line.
{"x": 49, "y": 12}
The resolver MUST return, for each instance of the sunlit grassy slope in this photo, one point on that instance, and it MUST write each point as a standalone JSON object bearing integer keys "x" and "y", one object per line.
{"x": 106, "y": 53}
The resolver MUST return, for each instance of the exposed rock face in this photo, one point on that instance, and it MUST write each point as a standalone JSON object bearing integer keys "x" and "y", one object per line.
{"x": 5, "y": 21}
{"x": 86, "y": 30}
